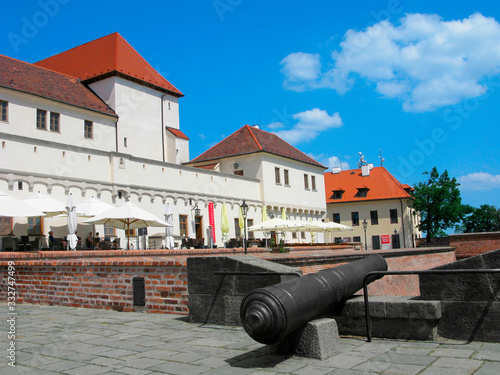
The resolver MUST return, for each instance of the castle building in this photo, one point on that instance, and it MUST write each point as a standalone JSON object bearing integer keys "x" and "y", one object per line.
{"x": 99, "y": 121}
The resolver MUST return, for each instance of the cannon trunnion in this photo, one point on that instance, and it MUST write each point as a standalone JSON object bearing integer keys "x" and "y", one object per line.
{"x": 270, "y": 314}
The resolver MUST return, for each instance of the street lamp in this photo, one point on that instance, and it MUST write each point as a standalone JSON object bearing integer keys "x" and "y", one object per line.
{"x": 365, "y": 225}
{"x": 244, "y": 212}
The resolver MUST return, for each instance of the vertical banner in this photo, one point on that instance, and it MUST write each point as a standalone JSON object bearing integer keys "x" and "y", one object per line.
{"x": 386, "y": 241}
{"x": 211, "y": 219}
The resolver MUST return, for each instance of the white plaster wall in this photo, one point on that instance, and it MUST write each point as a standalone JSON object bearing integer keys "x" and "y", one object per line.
{"x": 294, "y": 195}
{"x": 22, "y": 121}
{"x": 182, "y": 153}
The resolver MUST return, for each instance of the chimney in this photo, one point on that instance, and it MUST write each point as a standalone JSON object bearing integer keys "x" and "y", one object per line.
{"x": 365, "y": 170}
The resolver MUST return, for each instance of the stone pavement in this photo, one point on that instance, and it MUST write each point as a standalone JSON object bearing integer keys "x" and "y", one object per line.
{"x": 65, "y": 340}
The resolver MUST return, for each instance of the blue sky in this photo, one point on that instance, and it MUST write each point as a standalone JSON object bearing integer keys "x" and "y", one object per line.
{"x": 418, "y": 81}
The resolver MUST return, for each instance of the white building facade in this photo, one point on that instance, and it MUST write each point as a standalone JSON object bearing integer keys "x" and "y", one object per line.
{"x": 114, "y": 134}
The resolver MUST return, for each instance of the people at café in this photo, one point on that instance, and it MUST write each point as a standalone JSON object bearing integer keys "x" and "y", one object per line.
{"x": 97, "y": 241}
{"x": 54, "y": 243}
{"x": 89, "y": 242}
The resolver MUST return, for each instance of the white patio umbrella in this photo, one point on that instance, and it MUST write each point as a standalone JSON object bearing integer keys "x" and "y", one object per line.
{"x": 320, "y": 226}
{"x": 13, "y": 207}
{"x": 276, "y": 224}
{"x": 49, "y": 206}
{"x": 46, "y": 204}
{"x": 92, "y": 207}
{"x": 169, "y": 231}
{"x": 127, "y": 216}
{"x": 72, "y": 223}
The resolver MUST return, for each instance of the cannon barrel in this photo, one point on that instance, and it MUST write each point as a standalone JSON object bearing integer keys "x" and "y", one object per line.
{"x": 269, "y": 314}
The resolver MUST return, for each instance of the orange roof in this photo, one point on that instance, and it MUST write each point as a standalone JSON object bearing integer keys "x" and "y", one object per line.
{"x": 249, "y": 140}
{"x": 177, "y": 133}
{"x": 21, "y": 76}
{"x": 104, "y": 57}
{"x": 380, "y": 184}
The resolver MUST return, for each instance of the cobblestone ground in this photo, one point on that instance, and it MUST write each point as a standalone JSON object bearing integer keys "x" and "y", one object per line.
{"x": 63, "y": 340}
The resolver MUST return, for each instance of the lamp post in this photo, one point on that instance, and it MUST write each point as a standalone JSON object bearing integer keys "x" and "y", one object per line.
{"x": 365, "y": 225}
{"x": 244, "y": 212}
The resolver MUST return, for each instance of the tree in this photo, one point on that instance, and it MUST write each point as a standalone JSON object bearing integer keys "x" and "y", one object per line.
{"x": 483, "y": 219}
{"x": 439, "y": 203}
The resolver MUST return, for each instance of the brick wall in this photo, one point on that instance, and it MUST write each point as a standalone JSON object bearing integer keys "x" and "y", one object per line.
{"x": 471, "y": 244}
{"x": 103, "y": 279}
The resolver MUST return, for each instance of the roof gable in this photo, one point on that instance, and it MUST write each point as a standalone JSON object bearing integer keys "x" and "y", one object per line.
{"x": 380, "y": 185}
{"x": 21, "y": 76}
{"x": 248, "y": 140}
{"x": 107, "y": 56}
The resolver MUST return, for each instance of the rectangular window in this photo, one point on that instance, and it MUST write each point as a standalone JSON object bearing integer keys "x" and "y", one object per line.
{"x": 294, "y": 235}
{"x": 54, "y": 122}
{"x": 41, "y": 119}
{"x": 35, "y": 226}
{"x": 130, "y": 233}
{"x": 302, "y": 235}
{"x": 306, "y": 182}
{"x": 277, "y": 175}
{"x": 376, "y": 242}
{"x": 338, "y": 240}
{"x": 183, "y": 229}
{"x": 337, "y": 194}
{"x": 336, "y": 218}
{"x": 88, "y": 129}
{"x": 249, "y": 224}
{"x": 239, "y": 172}
{"x": 4, "y": 110}
{"x": 237, "y": 229}
{"x": 362, "y": 193}
{"x": 355, "y": 218}
{"x": 109, "y": 231}
{"x": 356, "y": 239}
{"x": 313, "y": 182}
{"x": 374, "y": 217}
{"x": 285, "y": 175}
{"x": 394, "y": 216}
{"x": 5, "y": 225}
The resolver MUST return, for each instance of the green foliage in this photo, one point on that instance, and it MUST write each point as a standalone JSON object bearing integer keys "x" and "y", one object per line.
{"x": 438, "y": 202}
{"x": 483, "y": 219}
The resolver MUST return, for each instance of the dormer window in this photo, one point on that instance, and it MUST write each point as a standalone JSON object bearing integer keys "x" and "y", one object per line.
{"x": 337, "y": 194}
{"x": 363, "y": 192}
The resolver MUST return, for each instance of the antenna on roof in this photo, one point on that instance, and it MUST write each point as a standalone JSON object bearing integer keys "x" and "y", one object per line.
{"x": 381, "y": 158}
{"x": 361, "y": 161}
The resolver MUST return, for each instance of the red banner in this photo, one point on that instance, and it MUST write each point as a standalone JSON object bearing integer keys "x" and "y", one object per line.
{"x": 211, "y": 219}
{"x": 386, "y": 238}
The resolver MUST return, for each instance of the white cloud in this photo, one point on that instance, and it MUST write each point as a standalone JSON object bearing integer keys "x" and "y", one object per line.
{"x": 309, "y": 124}
{"x": 423, "y": 61}
{"x": 335, "y": 162}
{"x": 276, "y": 125}
{"x": 300, "y": 68}
{"x": 479, "y": 181}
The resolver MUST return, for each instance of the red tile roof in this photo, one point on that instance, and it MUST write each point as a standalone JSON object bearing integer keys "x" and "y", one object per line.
{"x": 21, "y": 76}
{"x": 248, "y": 140}
{"x": 381, "y": 185}
{"x": 107, "y": 56}
{"x": 177, "y": 133}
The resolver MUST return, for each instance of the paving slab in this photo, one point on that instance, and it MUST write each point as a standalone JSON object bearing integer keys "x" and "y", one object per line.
{"x": 65, "y": 340}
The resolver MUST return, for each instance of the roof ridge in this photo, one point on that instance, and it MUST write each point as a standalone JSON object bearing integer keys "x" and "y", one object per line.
{"x": 41, "y": 67}
{"x": 398, "y": 184}
{"x": 253, "y": 136}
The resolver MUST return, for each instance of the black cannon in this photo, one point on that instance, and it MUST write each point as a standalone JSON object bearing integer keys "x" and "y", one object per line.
{"x": 269, "y": 314}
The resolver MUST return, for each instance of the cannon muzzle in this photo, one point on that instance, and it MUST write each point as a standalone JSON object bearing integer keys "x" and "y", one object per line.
{"x": 269, "y": 314}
